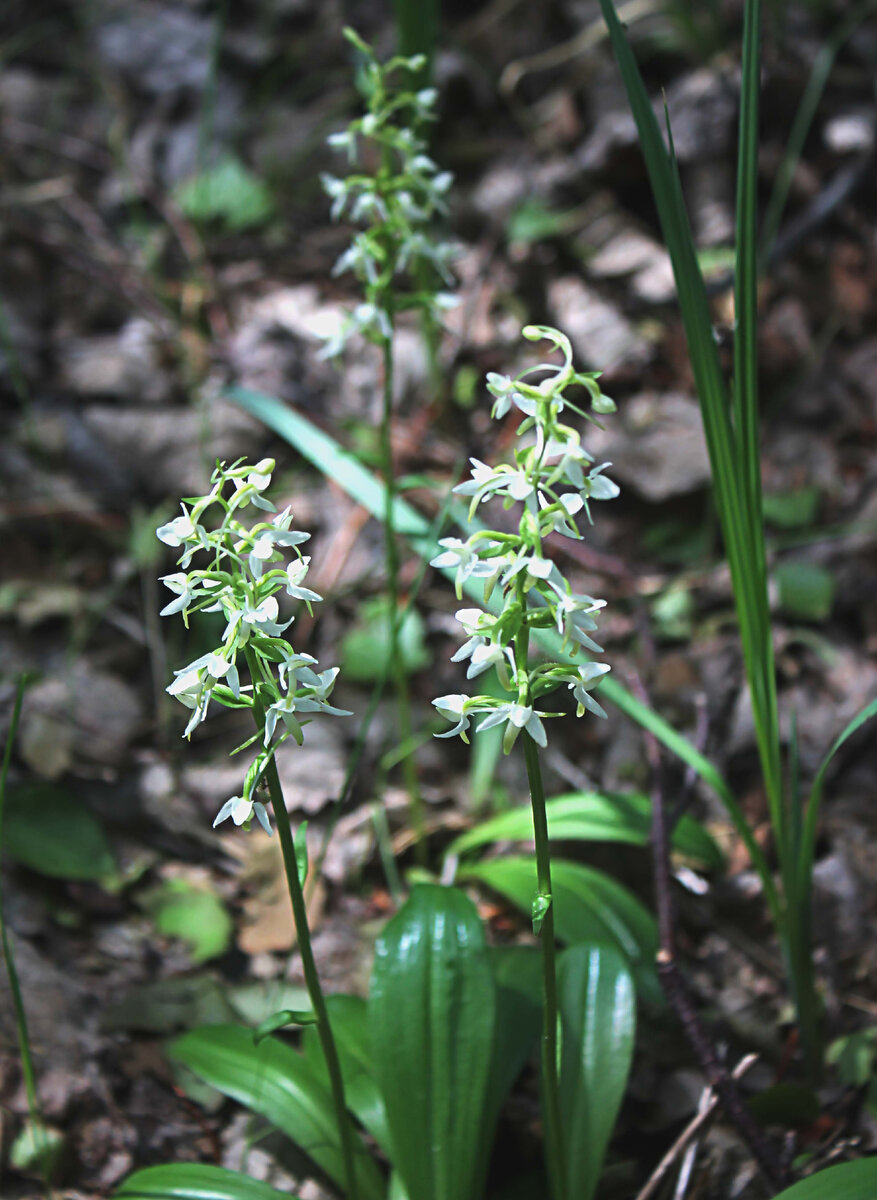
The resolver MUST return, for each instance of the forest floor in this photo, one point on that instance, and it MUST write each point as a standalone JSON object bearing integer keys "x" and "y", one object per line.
{"x": 128, "y": 309}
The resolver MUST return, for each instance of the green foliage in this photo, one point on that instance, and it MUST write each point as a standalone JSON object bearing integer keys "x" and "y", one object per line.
{"x": 594, "y": 817}
{"x": 805, "y": 590}
{"x": 275, "y": 1081}
{"x": 196, "y": 915}
{"x": 431, "y": 1013}
{"x": 731, "y": 431}
{"x": 366, "y": 649}
{"x": 589, "y": 907}
{"x": 195, "y": 1181}
{"x": 598, "y": 1022}
{"x": 51, "y": 831}
{"x": 846, "y": 1181}
{"x": 792, "y": 510}
{"x": 228, "y": 194}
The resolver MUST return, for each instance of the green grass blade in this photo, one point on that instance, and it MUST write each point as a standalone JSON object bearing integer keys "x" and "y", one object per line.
{"x": 759, "y": 654}
{"x": 729, "y": 481}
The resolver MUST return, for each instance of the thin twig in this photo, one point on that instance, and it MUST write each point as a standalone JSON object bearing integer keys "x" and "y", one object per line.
{"x": 708, "y": 1105}
{"x": 675, "y": 986}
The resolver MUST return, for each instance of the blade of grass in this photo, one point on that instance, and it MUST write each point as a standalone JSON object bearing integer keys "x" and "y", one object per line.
{"x": 729, "y": 481}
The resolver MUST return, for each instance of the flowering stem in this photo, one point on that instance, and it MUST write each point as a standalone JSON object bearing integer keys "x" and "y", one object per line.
{"x": 300, "y": 917}
{"x": 550, "y": 1086}
{"x": 397, "y": 667}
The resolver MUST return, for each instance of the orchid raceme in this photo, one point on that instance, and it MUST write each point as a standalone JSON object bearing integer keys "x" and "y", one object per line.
{"x": 554, "y": 478}
{"x": 396, "y": 201}
{"x": 244, "y": 572}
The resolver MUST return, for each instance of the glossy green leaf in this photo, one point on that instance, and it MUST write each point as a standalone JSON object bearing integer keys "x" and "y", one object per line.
{"x": 594, "y": 817}
{"x": 349, "y": 1018}
{"x": 275, "y": 1081}
{"x": 431, "y": 1010}
{"x": 588, "y": 907}
{"x": 730, "y": 428}
{"x": 51, "y": 831}
{"x": 517, "y": 972}
{"x": 846, "y": 1181}
{"x": 598, "y": 1022}
{"x": 195, "y": 1181}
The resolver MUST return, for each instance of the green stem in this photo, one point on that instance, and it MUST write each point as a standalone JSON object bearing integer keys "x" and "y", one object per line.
{"x": 300, "y": 917}
{"x": 550, "y": 1085}
{"x": 391, "y": 551}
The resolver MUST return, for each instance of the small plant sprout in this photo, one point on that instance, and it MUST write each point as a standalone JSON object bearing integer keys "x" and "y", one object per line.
{"x": 243, "y": 573}
{"x": 554, "y": 479}
{"x": 394, "y": 192}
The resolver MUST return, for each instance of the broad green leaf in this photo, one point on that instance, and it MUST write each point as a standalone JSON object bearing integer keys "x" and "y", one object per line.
{"x": 431, "y": 1010}
{"x": 846, "y": 1181}
{"x": 365, "y": 650}
{"x": 806, "y": 590}
{"x": 195, "y": 1181}
{"x": 229, "y": 193}
{"x": 194, "y": 914}
{"x": 276, "y": 1082}
{"x": 50, "y": 831}
{"x": 588, "y": 907}
{"x": 594, "y": 817}
{"x": 349, "y": 1019}
{"x": 598, "y": 1021}
{"x": 344, "y": 468}
{"x": 792, "y": 510}
{"x": 517, "y": 972}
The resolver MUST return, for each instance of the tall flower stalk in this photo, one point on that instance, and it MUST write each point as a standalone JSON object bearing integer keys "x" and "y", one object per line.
{"x": 553, "y": 478}
{"x": 394, "y": 191}
{"x": 243, "y": 572}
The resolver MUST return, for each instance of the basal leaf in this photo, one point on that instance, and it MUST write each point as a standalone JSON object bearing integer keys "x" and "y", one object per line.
{"x": 588, "y": 907}
{"x": 593, "y": 816}
{"x": 431, "y": 1010}
{"x": 276, "y": 1082}
{"x": 598, "y": 1021}
{"x": 195, "y": 1181}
